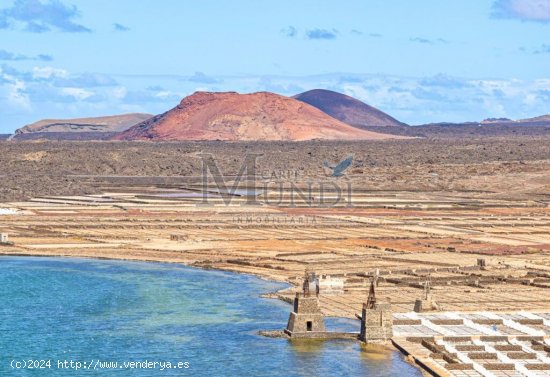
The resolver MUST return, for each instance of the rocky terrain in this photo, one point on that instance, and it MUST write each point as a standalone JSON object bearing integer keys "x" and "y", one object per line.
{"x": 64, "y": 136}
{"x": 503, "y": 127}
{"x": 231, "y": 116}
{"x": 543, "y": 120}
{"x": 347, "y": 109}
{"x": 467, "y": 130}
{"x": 495, "y": 166}
{"x": 86, "y": 128}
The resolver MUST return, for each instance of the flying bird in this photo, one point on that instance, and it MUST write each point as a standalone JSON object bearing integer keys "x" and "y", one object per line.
{"x": 339, "y": 169}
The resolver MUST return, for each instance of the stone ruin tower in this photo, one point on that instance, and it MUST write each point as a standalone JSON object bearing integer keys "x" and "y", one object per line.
{"x": 306, "y": 320}
{"x": 376, "y": 320}
{"x": 427, "y": 303}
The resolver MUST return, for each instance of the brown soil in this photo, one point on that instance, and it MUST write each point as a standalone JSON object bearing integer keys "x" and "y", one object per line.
{"x": 516, "y": 168}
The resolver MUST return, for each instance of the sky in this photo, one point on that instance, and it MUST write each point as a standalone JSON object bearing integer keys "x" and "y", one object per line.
{"x": 420, "y": 61}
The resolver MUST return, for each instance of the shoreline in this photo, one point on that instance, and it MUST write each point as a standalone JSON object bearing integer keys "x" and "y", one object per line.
{"x": 267, "y": 295}
{"x": 165, "y": 314}
{"x": 167, "y": 261}
{"x": 396, "y": 346}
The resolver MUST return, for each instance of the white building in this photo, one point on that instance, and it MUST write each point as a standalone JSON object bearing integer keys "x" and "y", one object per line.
{"x": 4, "y": 238}
{"x": 325, "y": 284}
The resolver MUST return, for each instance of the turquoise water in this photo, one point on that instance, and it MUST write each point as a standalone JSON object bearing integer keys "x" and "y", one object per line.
{"x": 115, "y": 311}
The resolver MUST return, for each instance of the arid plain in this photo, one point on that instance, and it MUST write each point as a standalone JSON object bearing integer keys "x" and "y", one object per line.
{"x": 410, "y": 211}
{"x": 408, "y": 208}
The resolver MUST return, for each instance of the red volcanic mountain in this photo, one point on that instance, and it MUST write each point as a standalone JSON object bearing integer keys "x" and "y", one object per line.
{"x": 347, "y": 109}
{"x": 233, "y": 116}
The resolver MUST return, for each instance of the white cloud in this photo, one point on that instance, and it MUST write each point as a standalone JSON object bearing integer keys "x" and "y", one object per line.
{"x": 14, "y": 91}
{"x": 529, "y": 99}
{"x": 527, "y": 10}
{"x": 49, "y": 72}
{"x": 77, "y": 93}
{"x": 17, "y": 95}
{"x": 543, "y": 84}
{"x": 118, "y": 93}
{"x": 165, "y": 94}
{"x": 39, "y": 16}
{"x": 495, "y": 108}
{"x": 504, "y": 86}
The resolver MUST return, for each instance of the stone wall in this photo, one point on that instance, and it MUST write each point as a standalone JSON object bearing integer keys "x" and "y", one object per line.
{"x": 306, "y": 304}
{"x": 376, "y": 323}
{"x": 306, "y": 321}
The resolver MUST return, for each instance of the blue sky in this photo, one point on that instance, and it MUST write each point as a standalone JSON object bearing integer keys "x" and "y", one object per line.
{"x": 420, "y": 61}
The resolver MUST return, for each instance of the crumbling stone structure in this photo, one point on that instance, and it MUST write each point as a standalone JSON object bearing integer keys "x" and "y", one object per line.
{"x": 376, "y": 320}
{"x": 325, "y": 284}
{"x": 427, "y": 303}
{"x": 306, "y": 320}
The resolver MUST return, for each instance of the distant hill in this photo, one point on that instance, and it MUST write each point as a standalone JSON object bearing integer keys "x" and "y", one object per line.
{"x": 347, "y": 109}
{"x": 543, "y": 120}
{"x": 491, "y": 127}
{"x": 496, "y": 120}
{"x": 234, "y": 116}
{"x": 64, "y": 136}
{"x": 87, "y": 128}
